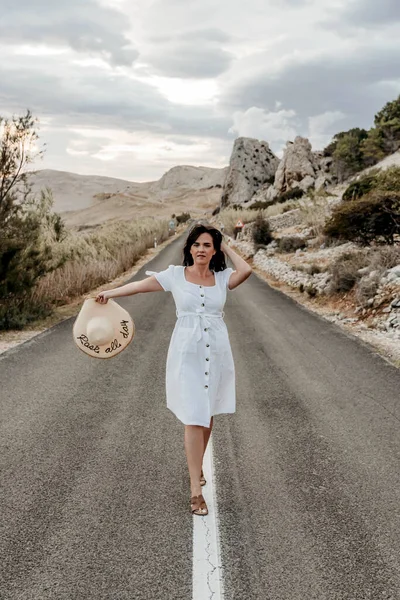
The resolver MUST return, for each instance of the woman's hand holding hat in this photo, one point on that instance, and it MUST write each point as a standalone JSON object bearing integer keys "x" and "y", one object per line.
{"x": 103, "y": 297}
{"x": 103, "y": 331}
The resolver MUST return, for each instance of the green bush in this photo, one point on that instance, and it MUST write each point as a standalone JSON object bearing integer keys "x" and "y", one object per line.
{"x": 291, "y": 243}
{"x": 357, "y": 148}
{"x": 373, "y": 147}
{"x": 373, "y": 218}
{"x": 387, "y": 121}
{"x": 311, "y": 291}
{"x": 261, "y": 231}
{"x": 314, "y": 269}
{"x": 183, "y": 217}
{"x": 292, "y": 194}
{"x": 387, "y": 180}
{"x": 259, "y": 205}
{"x": 360, "y": 188}
{"x": 27, "y": 223}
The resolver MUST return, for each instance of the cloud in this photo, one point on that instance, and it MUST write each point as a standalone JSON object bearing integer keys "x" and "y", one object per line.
{"x": 295, "y": 3}
{"x": 356, "y": 85}
{"x": 135, "y": 156}
{"x": 182, "y": 60}
{"x": 83, "y": 26}
{"x": 155, "y": 83}
{"x": 274, "y": 127}
{"x": 211, "y": 34}
{"x": 321, "y": 128}
{"x": 368, "y": 13}
{"x": 102, "y": 99}
{"x": 277, "y": 127}
{"x": 193, "y": 54}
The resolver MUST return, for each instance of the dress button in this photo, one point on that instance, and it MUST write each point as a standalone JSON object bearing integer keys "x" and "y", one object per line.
{"x": 207, "y": 345}
{"x": 200, "y": 286}
{"x": 205, "y": 328}
{"x": 207, "y": 359}
{"x": 202, "y": 304}
{"x": 206, "y": 386}
{"x": 206, "y": 373}
{"x": 202, "y": 295}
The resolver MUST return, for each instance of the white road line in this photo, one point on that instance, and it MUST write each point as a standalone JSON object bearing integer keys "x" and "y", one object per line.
{"x": 207, "y": 568}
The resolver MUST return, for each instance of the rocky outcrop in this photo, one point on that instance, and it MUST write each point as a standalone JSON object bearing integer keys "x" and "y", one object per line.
{"x": 324, "y": 170}
{"x": 299, "y": 168}
{"x": 296, "y": 168}
{"x": 251, "y": 166}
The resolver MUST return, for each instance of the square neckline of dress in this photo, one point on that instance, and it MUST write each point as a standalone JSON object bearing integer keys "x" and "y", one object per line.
{"x": 205, "y": 286}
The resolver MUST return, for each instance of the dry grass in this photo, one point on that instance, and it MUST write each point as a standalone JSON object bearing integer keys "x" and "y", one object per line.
{"x": 280, "y": 208}
{"x": 230, "y": 216}
{"x": 93, "y": 259}
{"x": 314, "y": 212}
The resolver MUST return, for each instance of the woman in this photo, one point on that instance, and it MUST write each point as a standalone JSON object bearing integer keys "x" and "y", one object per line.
{"x": 200, "y": 373}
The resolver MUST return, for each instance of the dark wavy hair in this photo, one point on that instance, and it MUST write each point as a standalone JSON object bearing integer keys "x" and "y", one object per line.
{"x": 217, "y": 262}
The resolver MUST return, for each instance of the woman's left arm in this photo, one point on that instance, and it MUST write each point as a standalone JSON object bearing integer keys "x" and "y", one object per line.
{"x": 242, "y": 269}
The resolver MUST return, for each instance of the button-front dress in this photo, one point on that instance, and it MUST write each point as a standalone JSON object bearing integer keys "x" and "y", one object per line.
{"x": 200, "y": 372}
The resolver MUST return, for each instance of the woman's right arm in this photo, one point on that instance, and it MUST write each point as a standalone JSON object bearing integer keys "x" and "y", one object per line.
{"x": 150, "y": 284}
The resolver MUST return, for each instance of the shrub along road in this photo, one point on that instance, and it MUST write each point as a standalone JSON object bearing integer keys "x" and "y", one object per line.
{"x": 94, "y": 489}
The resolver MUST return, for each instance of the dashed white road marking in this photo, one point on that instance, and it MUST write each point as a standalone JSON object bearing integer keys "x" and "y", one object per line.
{"x": 207, "y": 568}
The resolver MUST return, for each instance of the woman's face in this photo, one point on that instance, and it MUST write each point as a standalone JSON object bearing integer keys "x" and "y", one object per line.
{"x": 202, "y": 250}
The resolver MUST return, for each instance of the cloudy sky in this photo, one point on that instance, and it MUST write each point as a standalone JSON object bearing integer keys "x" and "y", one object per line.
{"x": 132, "y": 88}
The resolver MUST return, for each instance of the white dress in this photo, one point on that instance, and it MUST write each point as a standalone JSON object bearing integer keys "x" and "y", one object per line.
{"x": 200, "y": 372}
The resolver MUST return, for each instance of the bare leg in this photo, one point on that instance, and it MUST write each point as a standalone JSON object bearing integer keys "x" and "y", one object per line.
{"x": 207, "y": 433}
{"x": 194, "y": 447}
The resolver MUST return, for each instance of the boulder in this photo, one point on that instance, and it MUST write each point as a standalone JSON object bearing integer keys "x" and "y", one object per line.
{"x": 300, "y": 167}
{"x": 252, "y": 165}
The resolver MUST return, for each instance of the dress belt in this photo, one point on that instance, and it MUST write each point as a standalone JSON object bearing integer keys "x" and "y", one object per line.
{"x": 198, "y": 324}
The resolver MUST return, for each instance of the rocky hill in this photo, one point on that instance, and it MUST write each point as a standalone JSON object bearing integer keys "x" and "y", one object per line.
{"x": 356, "y": 287}
{"x": 188, "y": 178}
{"x": 90, "y": 200}
{"x": 256, "y": 174}
{"x": 76, "y": 192}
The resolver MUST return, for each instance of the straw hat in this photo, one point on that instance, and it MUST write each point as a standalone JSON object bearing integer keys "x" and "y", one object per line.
{"x": 103, "y": 330}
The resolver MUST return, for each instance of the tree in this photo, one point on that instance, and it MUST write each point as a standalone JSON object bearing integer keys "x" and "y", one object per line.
{"x": 261, "y": 231}
{"x": 347, "y": 154}
{"x": 27, "y": 223}
{"x": 373, "y": 147}
{"x": 373, "y": 218}
{"x": 387, "y": 121}
{"x": 345, "y": 149}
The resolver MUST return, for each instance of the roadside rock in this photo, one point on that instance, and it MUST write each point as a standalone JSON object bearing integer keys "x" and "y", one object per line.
{"x": 252, "y": 165}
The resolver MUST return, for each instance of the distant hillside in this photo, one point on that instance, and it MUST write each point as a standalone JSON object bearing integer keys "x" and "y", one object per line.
{"x": 74, "y": 192}
{"x": 186, "y": 177}
{"x": 90, "y": 200}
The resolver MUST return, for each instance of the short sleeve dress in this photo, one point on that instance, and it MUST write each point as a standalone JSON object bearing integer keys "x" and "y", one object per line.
{"x": 200, "y": 372}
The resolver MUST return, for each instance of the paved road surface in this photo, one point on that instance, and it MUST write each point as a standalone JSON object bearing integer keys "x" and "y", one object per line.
{"x": 94, "y": 495}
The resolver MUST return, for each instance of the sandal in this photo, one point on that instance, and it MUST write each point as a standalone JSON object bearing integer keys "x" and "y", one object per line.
{"x": 198, "y": 506}
{"x": 202, "y": 479}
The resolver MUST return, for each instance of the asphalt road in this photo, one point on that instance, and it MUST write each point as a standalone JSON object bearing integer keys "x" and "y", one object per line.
{"x": 94, "y": 490}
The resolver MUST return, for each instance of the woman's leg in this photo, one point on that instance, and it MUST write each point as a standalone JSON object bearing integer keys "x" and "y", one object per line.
{"x": 207, "y": 433}
{"x": 194, "y": 447}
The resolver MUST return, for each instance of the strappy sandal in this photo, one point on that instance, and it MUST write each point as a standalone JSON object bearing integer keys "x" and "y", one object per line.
{"x": 202, "y": 479}
{"x": 198, "y": 505}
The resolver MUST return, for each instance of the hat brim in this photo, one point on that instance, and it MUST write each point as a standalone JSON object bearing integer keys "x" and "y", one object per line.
{"x": 122, "y": 322}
